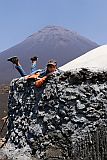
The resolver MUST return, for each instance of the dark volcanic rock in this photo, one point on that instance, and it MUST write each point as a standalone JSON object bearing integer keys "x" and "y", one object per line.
{"x": 65, "y": 119}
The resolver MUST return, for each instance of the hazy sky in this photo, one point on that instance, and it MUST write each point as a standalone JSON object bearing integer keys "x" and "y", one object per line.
{"x": 21, "y": 18}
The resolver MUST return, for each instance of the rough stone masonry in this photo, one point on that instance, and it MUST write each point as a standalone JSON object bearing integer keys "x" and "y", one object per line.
{"x": 66, "y": 119}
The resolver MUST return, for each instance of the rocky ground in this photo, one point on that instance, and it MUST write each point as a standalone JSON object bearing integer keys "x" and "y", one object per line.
{"x": 4, "y": 89}
{"x": 66, "y": 119}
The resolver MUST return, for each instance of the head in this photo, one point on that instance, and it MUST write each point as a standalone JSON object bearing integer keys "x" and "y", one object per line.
{"x": 51, "y": 66}
{"x": 34, "y": 59}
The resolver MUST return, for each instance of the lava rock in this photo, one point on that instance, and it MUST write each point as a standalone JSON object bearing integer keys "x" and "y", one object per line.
{"x": 64, "y": 119}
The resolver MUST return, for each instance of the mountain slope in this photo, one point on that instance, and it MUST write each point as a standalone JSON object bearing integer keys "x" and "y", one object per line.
{"x": 94, "y": 59}
{"x": 50, "y": 42}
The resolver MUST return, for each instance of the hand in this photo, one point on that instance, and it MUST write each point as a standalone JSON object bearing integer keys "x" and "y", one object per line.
{"x": 26, "y": 77}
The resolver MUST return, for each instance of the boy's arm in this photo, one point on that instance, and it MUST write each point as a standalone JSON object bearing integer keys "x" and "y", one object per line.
{"x": 40, "y": 82}
{"x": 32, "y": 76}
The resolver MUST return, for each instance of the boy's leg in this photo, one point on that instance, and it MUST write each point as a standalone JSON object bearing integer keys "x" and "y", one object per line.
{"x": 15, "y": 61}
{"x": 33, "y": 67}
{"x": 21, "y": 70}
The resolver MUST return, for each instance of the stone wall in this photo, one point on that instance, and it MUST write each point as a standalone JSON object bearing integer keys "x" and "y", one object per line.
{"x": 66, "y": 119}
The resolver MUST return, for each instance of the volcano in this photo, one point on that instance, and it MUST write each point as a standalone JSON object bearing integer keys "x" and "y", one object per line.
{"x": 51, "y": 42}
